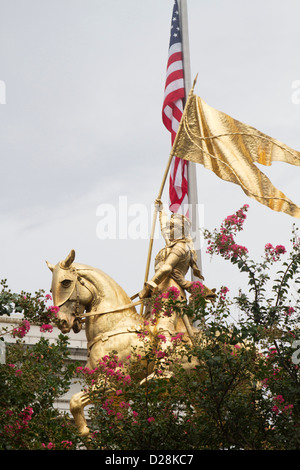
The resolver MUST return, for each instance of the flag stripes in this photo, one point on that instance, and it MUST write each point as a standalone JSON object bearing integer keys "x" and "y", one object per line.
{"x": 171, "y": 115}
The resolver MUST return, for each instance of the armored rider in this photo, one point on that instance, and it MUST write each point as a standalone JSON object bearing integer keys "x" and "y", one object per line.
{"x": 174, "y": 260}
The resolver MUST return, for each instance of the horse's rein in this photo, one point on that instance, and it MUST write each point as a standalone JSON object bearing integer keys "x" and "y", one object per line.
{"x": 82, "y": 316}
{"x": 124, "y": 307}
{"x": 119, "y": 309}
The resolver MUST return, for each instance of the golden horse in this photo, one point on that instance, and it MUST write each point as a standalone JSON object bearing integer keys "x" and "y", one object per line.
{"x": 111, "y": 320}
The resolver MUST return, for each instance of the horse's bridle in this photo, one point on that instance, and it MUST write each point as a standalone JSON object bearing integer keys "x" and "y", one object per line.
{"x": 80, "y": 317}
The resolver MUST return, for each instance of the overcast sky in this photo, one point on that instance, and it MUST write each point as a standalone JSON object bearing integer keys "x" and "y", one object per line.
{"x": 81, "y": 125}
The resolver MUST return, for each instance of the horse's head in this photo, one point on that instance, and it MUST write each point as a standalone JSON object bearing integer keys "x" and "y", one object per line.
{"x": 69, "y": 293}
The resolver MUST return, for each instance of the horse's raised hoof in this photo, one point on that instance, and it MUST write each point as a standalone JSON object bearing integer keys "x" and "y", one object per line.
{"x": 165, "y": 375}
{"x": 84, "y": 432}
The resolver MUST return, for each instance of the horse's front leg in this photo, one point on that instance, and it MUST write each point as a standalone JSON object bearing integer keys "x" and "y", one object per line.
{"x": 77, "y": 404}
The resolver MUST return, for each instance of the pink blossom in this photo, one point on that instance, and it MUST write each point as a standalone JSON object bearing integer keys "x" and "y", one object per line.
{"x": 143, "y": 335}
{"x": 86, "y": 370}
{"x": 296, "y": 243}
{"x": 178, "y": 337}
{"x": 236, "y": 220}
{"x": 26, "y": 414}
{"x": 49, "y": 446}
{"x": 160, "y": 354}
{"x": 171, "y": 292}
{"x": 9, "y": 429}
{"x": 111, "y": 367}
{"x": 197, "y": 288}
{"x": 268, "y": 247}
{"x": 107, "y": 404}
{"x": 288, "y": 408}
{"x": 46, "y": 328}
{"x": 162, "y": 338}
{"x": 18, "y": 372}
{"x": 124, "y": 404}
{"x": 223, "y": 242}
{"x": 271, "y": 352}
{"x": 291, "y": 310}
{"x": 127, "y": 380}
{"x": 66, "y": 444}
{"x": 157, "y": 306}
{"x": 108, "y": 401}
{"x": 22, "y": 330}
{"x": 279, "y": 398}
{"x": 273, "y": 254}
{"x": 54, "y": 309}
{"x": 119, "y": 392}
{"x": 151, "y": 419}
{"x": 223, "y": 292}
{"x": 280, "y": 249}
{"x": 264, "y": 382}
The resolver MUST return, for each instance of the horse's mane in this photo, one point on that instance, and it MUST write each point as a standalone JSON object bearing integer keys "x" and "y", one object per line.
{"x": 105, "y": 287}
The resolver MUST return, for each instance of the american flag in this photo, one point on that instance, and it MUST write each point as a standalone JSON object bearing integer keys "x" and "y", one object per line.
{"x": 171, "y": 115}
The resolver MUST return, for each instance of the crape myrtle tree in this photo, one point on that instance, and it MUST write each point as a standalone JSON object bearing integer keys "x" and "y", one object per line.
{"x": 243, "y": 392}
{"x": 33, "y": 378}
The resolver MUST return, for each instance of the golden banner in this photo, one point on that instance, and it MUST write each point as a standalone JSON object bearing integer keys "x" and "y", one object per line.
{"x": 230, "y": 149}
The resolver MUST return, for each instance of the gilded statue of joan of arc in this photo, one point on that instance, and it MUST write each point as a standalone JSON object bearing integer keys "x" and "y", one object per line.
{"x": 173, "y": 262}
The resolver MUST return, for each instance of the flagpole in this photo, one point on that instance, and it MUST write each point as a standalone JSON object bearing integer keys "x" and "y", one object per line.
{"x": 192, "y": 178}
{"x": 154, "y": 217}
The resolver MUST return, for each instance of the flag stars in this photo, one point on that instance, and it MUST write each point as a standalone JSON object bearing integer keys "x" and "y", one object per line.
{"x": 175, "y": 29}
{"x": 175, "y": 34}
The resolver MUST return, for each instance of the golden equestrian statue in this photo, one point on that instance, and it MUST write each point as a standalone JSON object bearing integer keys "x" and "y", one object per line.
{"x": 111, "y": 320}
{"x": 172, "y": 264}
